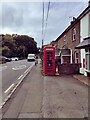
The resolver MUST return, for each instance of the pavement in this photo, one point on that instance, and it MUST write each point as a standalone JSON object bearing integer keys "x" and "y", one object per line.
{"x": 41, "y": 96}
{"x": 83, "y": 79}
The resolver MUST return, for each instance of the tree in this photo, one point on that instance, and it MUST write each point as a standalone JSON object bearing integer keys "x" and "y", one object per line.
{"x": 28, "y": 43}
{"x": 17, "y": 45}
{"x": 9, "y": 44}
{"x": 6, "y": 51}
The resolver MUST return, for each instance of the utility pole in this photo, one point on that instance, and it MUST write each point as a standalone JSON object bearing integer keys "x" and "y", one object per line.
{"x": 43, "y": 25}
{"x": 42, "y": 33}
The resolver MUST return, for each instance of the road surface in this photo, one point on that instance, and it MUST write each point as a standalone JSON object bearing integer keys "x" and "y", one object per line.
{"x": 12, "y": 72}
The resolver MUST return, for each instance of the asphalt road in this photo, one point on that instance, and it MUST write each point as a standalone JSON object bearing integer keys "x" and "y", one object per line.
{"x": 12, "y": 72}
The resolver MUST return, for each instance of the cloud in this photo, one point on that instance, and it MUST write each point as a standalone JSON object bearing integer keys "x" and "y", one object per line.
{"x": 26, "y": 18}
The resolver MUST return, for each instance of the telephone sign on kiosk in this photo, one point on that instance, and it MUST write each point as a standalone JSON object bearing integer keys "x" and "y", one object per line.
{"x": 49, "y": 60}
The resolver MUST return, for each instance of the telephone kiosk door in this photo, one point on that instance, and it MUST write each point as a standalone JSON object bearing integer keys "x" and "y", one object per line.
{"x": 49, "y": 60}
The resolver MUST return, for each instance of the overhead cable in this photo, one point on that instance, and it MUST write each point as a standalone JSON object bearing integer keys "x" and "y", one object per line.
{"x": 47, "y": 19}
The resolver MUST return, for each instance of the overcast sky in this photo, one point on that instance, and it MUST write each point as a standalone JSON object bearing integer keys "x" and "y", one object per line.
{"x": 26, "y": 18}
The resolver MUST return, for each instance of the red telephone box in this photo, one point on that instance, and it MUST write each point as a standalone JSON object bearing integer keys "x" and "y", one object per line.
{"x": 49, "y": 60}
{"x": 84, "y": 63}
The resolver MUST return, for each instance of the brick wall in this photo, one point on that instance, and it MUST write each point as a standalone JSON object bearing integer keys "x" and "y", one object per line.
{"x": 69, "y": 43}
{"x": 68, "y": 68}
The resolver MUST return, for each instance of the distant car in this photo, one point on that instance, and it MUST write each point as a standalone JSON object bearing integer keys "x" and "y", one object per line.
{"x": 21, "y": 58}
{"x": 2, "y": 58}
{"x": 31, "y": 57}
{"x": 5, "y": 59}
{"x": 8, "y": 59}
{"x": 15, "y": 59}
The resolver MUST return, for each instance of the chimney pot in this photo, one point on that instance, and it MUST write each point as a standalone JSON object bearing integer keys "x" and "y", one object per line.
{"x": 74, "y": 18}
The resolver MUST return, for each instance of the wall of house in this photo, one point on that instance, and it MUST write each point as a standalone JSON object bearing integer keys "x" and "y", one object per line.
{"x": 69, "y": 43}
{"x": 68, "y": 69}
{"x": 84, "y": 32}
{"x": 84, "y": 27}
{"x": 89, "y": 24}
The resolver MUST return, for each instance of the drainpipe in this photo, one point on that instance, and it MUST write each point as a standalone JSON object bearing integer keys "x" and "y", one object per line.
{"x": 61, "y": 59}
{"x": 71, "y": 56}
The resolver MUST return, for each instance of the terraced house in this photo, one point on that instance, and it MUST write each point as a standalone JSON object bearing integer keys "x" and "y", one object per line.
{"x": 67, "y": 41}
{"x": 84, "y": 45}
{"x": 71, "y": 37}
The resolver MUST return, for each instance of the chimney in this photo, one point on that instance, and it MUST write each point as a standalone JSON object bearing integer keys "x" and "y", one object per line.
{"x": 73, "y": 20}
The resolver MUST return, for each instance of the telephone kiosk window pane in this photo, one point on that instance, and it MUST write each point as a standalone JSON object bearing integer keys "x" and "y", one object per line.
{"x": 49, "y": 62}
{"x": 49, "y": 53}
{"x": 49, "y": 65}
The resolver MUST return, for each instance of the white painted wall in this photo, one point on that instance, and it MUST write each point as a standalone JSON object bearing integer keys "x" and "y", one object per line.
{"x": 84, "y": 32}
{"x": 84, "y": 27}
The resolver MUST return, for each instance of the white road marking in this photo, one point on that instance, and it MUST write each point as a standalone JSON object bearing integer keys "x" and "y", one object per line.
{"x": 19, "y": 67}
{"x": 3, "y": 68}
{"x": 20, "y": 77}
{"x": 9, "y": 88}
{"x": 29, "y": 68}
{"x": 26, "y": 70}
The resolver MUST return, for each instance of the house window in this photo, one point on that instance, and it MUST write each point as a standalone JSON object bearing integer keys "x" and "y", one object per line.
{"x": 74, "y": 34}
{"x": 65, "y": 56}
{"x": 76, "y": 57}
{"x": 64, "y": 38}
{"x": 88, "y": 60}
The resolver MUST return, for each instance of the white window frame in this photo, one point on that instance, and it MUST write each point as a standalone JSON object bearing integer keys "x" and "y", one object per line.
{"x": 74, "y": 34}
{"x": 89, "y": 25}
{"x": 88, "y": 53}
{"x": 76, "y": 58}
